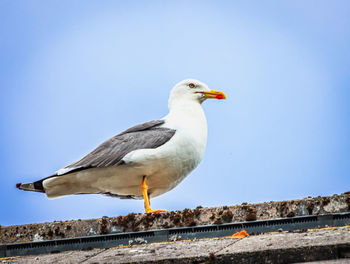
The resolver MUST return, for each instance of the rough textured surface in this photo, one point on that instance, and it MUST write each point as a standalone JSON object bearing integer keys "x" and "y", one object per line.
{"x": 280, "y": 247}
{"x": 333, "y": 261}
{"x": 187, "y": 217}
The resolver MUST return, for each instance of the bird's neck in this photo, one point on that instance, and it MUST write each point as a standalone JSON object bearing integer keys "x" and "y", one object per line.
{"x": 187, "y": 115}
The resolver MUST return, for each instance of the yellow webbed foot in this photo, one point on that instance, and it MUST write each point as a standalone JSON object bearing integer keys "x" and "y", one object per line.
{"x": 155, "y": 211}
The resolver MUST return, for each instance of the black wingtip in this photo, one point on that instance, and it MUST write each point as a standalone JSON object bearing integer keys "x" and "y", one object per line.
{"x": 32, "y": 186}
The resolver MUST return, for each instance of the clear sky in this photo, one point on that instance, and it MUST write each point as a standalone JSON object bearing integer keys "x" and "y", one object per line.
{"x": 74, "y": 73}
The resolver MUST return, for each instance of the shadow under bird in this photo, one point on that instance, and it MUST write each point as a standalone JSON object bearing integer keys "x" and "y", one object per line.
{"x": 144, "y": 161}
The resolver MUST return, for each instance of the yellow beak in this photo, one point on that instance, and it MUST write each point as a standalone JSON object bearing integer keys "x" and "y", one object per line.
{"x": 214, "y": 94}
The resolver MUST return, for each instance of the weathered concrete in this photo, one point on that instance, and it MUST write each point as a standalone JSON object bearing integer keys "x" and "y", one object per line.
{"x": 333, "y": 261}
{"x": 280, "y": 247}
{"x": 187, "y": 217}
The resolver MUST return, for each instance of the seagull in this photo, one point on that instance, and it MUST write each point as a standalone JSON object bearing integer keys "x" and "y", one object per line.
{"x": 145, "y": 160}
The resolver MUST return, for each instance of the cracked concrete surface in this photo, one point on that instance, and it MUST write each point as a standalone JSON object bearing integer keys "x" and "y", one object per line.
{"x": 279, "y": 247}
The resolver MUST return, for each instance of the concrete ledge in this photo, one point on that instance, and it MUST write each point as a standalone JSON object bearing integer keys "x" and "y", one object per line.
{"x": 187, "y": 217}
{"x": 280, "y": 247}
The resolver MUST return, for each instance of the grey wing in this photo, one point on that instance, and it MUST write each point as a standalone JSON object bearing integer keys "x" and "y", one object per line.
{"x": 111, "y": 152}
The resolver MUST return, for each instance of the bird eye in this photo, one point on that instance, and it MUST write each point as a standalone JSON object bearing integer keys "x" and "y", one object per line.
{"x": 191, "y": 85}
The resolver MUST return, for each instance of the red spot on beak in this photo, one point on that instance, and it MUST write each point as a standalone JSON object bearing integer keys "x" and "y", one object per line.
{"x": 219, "y": 96}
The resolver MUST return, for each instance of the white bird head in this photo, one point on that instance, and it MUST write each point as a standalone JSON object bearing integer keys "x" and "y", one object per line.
{"x": 193, "y": 90}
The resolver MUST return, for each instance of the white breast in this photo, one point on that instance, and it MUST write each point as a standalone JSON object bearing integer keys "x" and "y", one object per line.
{"x": 167, "y": 165}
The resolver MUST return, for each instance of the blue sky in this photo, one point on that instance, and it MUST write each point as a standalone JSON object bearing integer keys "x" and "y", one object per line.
{"x": 74, "y": 73}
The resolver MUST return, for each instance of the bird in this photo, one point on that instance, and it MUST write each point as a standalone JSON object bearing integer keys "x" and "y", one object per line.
{"x": 145, "y": 160}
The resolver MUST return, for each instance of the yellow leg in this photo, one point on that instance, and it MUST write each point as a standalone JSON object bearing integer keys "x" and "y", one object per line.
{"x": 144, "y": 189}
